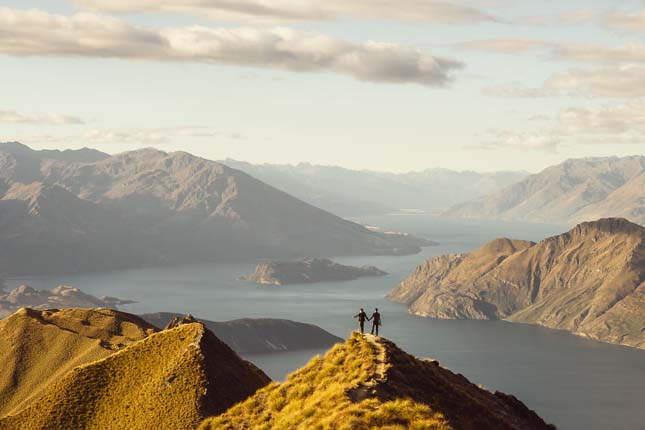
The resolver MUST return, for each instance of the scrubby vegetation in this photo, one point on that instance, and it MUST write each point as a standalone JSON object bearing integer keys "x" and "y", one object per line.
{"x": 335, "y": 392}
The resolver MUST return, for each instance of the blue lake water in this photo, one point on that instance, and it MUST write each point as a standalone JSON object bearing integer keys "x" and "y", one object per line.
{"x": 575, "y": 383}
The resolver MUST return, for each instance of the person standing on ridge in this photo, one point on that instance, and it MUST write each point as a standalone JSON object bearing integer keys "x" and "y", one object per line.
{"x": 362, "y": 317}
{"x": 376, "y": 321}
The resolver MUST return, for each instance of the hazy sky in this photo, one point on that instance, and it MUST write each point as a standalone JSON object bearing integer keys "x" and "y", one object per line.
{"x": 388, "y": 85}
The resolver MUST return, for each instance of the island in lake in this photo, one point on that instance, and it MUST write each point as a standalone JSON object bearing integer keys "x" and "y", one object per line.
{"x": 308, "y": 271}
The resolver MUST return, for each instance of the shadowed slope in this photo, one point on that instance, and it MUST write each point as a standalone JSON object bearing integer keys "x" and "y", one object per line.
{"x": 39, "y": 347}
{"x": 368, "y": 383}
{"x": 254, "y": 335}
{"x": 170, "y": 380}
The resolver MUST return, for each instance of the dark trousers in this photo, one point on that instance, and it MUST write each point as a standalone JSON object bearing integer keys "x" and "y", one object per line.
{"x": 362, "y": 325}
{"x": 375, "y": 328}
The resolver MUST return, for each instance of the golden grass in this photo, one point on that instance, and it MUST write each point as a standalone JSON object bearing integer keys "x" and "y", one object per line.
{"x": 157, "y": 383}
{"x": 318, "y": 397}
{"x": 38, "y": 348}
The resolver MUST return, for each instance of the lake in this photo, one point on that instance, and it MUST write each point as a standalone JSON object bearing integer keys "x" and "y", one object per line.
{"x": 574, "y": 383}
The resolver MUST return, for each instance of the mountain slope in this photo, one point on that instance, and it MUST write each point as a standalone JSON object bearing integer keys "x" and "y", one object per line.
{"x": 368, "y": 383}
{"x": 571, "y": 192}
{"x": 171, "y": 380}
{"x": 149, "y": 207}
{"x": 590, "y": 281}
{"x": 257, "y": 335}
{"x": 352, "y": 192}
{"x": 38, "y": 347}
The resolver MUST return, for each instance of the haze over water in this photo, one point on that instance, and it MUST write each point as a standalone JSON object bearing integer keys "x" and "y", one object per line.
{"x": 573, "y": 382}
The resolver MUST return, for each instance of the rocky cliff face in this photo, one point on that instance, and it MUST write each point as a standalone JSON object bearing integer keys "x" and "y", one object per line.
{"x": 590, "y": 281}
{"x": 308, "y": 271}
{"x": 170, "y": 379}
{"x": 149, "y": 207}
{"x": 369, "y": 383}
{"x": 569, "y": 193}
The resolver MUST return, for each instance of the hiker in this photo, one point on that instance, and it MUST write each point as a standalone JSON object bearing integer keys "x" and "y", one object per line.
{"x": 376, "y": 321}
{"x": 362, "y": 317}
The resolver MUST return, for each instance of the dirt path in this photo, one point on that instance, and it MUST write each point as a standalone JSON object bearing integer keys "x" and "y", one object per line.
{"x": 369, "y": 389}
{"x": 379, "y": 373}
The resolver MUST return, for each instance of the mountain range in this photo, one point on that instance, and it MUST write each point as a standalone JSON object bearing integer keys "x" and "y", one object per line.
{"x": 73, "y": 211}
{"x": 349, "y": 192}
{"x": 589, "y": 281}
{"x": 569, "y": 193}
{"x": 101, "y": 369}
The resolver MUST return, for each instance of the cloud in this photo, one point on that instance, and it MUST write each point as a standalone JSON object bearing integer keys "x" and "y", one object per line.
{"x": 606, "y": 82}
{"x": 517, "y": 90}
{"x": 626, "y": 21}
{"x": 134, "y": 136}
{"x": 617, "y": 120}
{"x": 34, "y": 32}
{"x": 300, "y": 10}
{"x": 612, "y": 124}
{"x": 504, "y": 46}
{"x": 496, "y": 139}
{"x": 13, "y": 117}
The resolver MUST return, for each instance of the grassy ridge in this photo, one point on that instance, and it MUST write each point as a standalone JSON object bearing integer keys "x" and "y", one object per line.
{"x": 39, "y": 347}
{"x": 169, "y": 380}
{"x": 316, "y": 398}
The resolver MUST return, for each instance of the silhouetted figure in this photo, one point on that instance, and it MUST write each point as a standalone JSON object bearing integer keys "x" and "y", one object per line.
{"x": 362, "y": 317}
{"x": 376, "y": 321}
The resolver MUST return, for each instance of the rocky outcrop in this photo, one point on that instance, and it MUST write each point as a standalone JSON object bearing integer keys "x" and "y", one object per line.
{"x": 590, "y": 281}
{"x": 261, "y": 335}
{"x": 149, "y": 207}
{"x": 308, "y": 271}
{"x": 369, "y": 383}
{"x": 62, "y": 296}
{"x": 569, "y": 193}
{"x": 170, "y": 379}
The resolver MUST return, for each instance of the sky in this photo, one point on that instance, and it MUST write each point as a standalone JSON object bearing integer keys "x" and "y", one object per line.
{"x": 366, "y": 84}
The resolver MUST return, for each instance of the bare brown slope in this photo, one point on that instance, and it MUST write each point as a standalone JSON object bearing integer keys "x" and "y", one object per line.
{"x": 170, "y": 380}
{"x": 589, "y": 281}
{"x": 369, "y": 383}
{"x": 39, "y": 347}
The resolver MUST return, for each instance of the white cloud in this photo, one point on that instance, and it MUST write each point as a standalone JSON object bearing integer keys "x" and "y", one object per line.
{"x": 496, "y": 139}
{"x": 504, "y": 45}
{"x": 34, "y": 32}
{"x": 607, "y": 125}
{"x": 300, "y": 10}
{"x": 607, "y": 82}
{"x": 517, "y": 90}
{"x": 13, "y": 117}
{"x": 133, "y": 136}
{"x": 626, "y": 21}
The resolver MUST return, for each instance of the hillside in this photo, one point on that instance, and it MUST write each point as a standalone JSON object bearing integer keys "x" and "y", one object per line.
{"x": 38, "y": 347}
{"x": 149, "y": 207}
{"x": 368, "y": 383}
{"x": 569, "y": 193}
{"x": 590, "y": 281}
{"x": 259, "y": 335}
{"x": 171, "y": 379}
{"x": 360, "y": 192}
{"x": 308, "y": 271}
